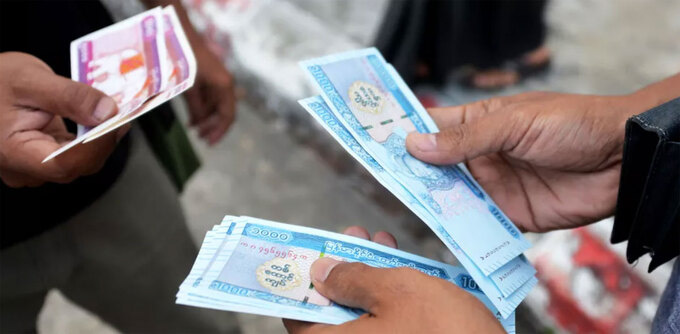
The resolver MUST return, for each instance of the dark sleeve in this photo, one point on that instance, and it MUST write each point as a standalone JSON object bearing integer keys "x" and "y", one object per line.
{"x": 648, "y": 205}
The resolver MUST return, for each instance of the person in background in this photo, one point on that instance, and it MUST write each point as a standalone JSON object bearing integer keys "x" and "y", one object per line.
{"x": 490, "y": 44}
{"x": 102, "y": 222}
{"x": 550, "y": 161}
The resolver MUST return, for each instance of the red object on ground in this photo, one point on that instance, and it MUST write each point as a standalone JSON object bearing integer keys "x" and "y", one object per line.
{"x": 618, "y": 281}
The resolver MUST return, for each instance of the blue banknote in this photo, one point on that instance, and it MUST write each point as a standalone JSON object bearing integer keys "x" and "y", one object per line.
{"x": 506, "y": 287}
{"x": 371, "y": 102}
{"x": 262, "y": 267}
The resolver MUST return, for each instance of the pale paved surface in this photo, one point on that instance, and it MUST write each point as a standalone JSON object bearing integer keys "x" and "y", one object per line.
{"x": 601, "y": 47}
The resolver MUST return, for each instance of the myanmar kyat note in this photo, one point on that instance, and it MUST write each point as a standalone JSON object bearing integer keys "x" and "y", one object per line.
{"x": 178, "y": 75}
{"x": 371, "y": 103}
{"x": 516, "y": 277}
{"x": 267, "y": 264}
{"x": 124, "y": 60}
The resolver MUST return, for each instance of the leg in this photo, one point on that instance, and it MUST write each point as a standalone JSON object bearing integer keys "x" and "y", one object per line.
{"x": 27, "y": 271}
{"x": 135, "y": 250}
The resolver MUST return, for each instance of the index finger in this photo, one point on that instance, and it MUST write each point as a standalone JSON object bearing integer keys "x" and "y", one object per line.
{"x": 446, "y": 117}
{"x": 83, "y": 159}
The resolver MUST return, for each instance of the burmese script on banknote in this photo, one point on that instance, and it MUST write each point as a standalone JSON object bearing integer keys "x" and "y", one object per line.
{"x": 262, "y": 267}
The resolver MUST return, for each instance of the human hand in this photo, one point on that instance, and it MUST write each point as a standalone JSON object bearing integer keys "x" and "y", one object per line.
{"x": 33, "y": 102}
{"x": 549, "y": 160}
{"x": 398, "y": 300}
{"x": 212, "y": 102}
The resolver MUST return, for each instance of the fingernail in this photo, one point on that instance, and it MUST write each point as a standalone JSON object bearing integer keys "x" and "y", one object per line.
{"x": 425, "y": 142}
{"x": 321, "y": 268}
{"x": 104, "y": 109}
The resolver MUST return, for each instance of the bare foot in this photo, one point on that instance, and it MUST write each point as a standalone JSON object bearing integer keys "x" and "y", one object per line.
{"x": 499, "y": 78}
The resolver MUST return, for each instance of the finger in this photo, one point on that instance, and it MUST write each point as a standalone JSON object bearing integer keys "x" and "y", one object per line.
{"x": 351, "y": 284}
{"x": 197, "y": 109}
{"x": 357, "y": 231}
{"x": 447, "y": 116}
{"x": 385, "y": 239}
{"x": 43, "y": 90}
{"x": 18, "y": 180}
{"x": 227, "y": 111}
{"x": 465, "y": 141}
{"x": 28, "y": 149}
{"x": 215, "y": 127}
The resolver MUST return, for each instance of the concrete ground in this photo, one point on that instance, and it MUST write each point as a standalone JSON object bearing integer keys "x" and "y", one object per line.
{"x": 261, "y": 170}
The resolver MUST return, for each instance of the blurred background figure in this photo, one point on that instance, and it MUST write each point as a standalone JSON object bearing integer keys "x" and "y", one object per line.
{"x": 491, "y": 44}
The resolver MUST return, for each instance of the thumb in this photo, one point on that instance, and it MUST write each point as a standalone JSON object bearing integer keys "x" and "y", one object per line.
{"x": 463, "y": 141}
{"x": 350, "y": 284}
{"x": 58, "y": 95}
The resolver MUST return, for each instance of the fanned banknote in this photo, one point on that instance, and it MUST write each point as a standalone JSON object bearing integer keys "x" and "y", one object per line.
{"x": 262, "y": 267}
{"x": 140, "y": 62}
{"x": 369, "y": 109}
{"x": 517, "y": 276}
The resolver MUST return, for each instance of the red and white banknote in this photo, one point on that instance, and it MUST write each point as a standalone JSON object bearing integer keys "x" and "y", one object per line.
{"x": 140, "y": 62}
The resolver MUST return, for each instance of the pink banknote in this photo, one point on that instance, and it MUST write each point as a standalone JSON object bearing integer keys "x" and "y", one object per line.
{"x": 140, "y": 62}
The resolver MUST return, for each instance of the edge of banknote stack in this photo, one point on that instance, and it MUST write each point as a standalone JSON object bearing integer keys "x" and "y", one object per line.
{"x": 261, "y": 267}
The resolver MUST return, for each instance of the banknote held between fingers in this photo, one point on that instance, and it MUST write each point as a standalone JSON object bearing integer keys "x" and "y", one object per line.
{"x": 397, "y": 300}
{"x": 33, "y": 102}
{"x": 36, "y": 86}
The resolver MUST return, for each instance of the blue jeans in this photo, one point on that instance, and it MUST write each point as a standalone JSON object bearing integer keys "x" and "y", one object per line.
{"x": 667, "y": 318}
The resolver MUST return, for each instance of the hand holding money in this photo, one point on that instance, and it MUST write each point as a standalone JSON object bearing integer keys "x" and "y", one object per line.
{"x": 535, "y": 154}
{"x": 397, "y": 299}
{"x": 140, "y": 62}
{"x": 257, "y": 266}
{"x": 33, "y": 103}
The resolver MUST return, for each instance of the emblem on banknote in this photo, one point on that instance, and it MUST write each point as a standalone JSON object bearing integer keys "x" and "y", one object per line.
{"x": 279, "y": 274}
{"x": 365, "y": 97}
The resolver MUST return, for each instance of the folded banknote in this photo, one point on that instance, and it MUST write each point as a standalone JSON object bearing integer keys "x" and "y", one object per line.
{"x": 140, "y": 62}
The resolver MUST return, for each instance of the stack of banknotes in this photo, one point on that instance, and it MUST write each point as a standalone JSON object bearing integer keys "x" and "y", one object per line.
{"x": 262, "y": 267}
{"x": 368, "y": 109}
{"x": 140, "y": 62}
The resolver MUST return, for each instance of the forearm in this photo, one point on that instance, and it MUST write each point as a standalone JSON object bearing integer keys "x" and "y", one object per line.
{"x": 656, "y": 94}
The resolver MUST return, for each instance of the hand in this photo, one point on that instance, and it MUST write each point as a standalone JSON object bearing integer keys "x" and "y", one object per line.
{"x": 397, "y": 300}
{"x": 33, "y": 101}
{"x": 212, "y": 103}
{"x": 549, "y": 160}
